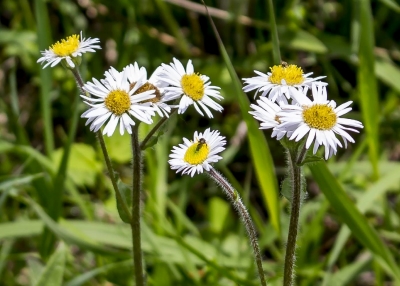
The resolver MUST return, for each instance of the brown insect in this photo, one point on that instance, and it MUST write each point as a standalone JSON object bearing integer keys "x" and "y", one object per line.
{"x": 202, "y": 141}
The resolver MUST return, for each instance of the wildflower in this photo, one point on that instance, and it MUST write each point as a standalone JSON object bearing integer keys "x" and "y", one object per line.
{"x": 115, "y": 100}
{"x": 194, "y": 88}
{"x": 267, "y": 111}
{"x": 196, "y": 156}
{"x": 320, "y": 118}
{"x": 135, "y": 73}
{"x": 68, "y": 49}
{"x": 281, "y": 82}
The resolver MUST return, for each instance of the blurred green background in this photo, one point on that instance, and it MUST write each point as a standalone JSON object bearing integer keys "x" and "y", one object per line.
{"x": 191, "y": 235}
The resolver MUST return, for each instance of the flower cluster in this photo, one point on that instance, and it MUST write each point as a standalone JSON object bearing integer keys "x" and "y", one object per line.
{"x": 127, "y": 96}
{"x": 288, "y": 110}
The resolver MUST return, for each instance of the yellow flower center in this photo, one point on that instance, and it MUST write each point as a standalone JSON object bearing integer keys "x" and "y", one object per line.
{"x": 292, "y": 74}
{"x": 147, "y": 86}
{"x": 193, "y": 86}
{"x": 66, "y": 47}
{"x": 118, "y": 102}
{"x": 197, "y": 153}
{"x": 320, "y": 116}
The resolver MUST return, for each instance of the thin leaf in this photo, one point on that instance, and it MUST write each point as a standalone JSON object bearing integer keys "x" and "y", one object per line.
{"x": 366, "y": 201}
{"x": 43, "y": 31}
{"x": 85, "y": 277}
{"x": 6, "y": 249}
{"x": 124, "y": 206}
{"x": 67, "y": 236}
{"x": 259, "y": 149}
{"x": 350, "y": 215}
{"x": 19, "y": 181}
{"x": 348, "y": 273}
{"x": 53, "y": 274}
{"x": 276, "y": 53}
{"x": 367, "y": 85}
{"x": 392, "y": 5}
{"x": 388, "y": 73}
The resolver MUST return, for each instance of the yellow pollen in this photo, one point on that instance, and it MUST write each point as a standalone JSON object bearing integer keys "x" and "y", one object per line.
{"x": 147, "y": 86}
{"x": 320, "y": 116}
{"x": 66, "y": 47}
{"x": 118, "y": 102}
{"x": 292, "y": 74}
{"x": 197, "y": 153}
{"x": 193, "y": 86}
{"x": 277, "y": 119}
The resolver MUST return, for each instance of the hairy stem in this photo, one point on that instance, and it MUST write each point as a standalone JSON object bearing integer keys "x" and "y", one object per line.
{"x": 294, "y": 160}
{"x": 135, "y": 221}
{"x": 235, "y": 199}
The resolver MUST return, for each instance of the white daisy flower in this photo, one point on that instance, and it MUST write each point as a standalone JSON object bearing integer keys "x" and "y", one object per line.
{"x": 115, "y": 100}
{"x": 68, "y": 49}
{"x": 319, "y": 118}
{"x": 194, "y": 88}
{"x": 267, "y": 112}
{"x": 196, "y": 156}
{"x": 159, "y": 101}
{"x": 281, "y": 81}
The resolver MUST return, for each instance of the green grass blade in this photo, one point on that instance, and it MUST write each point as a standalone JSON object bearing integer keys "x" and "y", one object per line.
{"x": 15, "y": 111}
{"x": 351, "y": 216}
{"x": 276, "y": 53}
{"x": 348, "y": 273}
{"x": 19, "y": 181}
{"x": 43, "y": 31}
{"x": 85, "y": 277}
{"x": 367, "y": 84}
{"x": 6, "y": 248}
{"x": 259, "y": 149}
{"x": 53, "y": 274}
{"x": 372, "y": 194}
{"x": 173, "y": 25}
{"x": 59, "y": 180}
{"x": 68, "y": 236}
{"x": 392, "y": 5}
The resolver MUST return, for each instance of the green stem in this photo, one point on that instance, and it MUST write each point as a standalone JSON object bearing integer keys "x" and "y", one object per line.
{"x": 100, "y": 137}
{"x": 111, "y": 171}
{"x": 79, "y": 80}
{"x": 294, "y": 159}
{"x": 155, "y": 128}
{"x": 235, "y": 199}
{"x": 135, "y": 221}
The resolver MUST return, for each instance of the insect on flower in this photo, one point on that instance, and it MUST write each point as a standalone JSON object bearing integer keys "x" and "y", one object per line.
{"x": 201, "y": 142}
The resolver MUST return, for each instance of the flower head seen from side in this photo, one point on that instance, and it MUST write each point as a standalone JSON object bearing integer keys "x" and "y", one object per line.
{"x": 267, "y": 111}
{"x": 134, "y": 74}
{"x": 195, "y": 156}
{"x": 320, "y": 119}
{"x": 68, "y": 49}
{"x": 280, "y": 82}
{"x": 194, "y": 88}
{"x": 115, "y": 101}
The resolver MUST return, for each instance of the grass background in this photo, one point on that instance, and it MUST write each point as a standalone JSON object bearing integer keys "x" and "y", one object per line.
{"x": 350, "y": 220}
